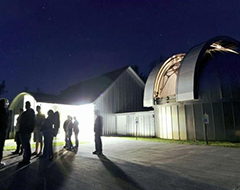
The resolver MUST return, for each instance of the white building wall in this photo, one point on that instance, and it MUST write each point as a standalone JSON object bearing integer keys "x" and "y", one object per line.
{"x": 139, "y": 124}
{"x": 84, "y": 114}
{"x": 124, "y": 95}
{"x": 170, "y": 121}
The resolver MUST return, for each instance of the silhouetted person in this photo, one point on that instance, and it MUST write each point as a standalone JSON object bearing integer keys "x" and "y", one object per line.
{"x": 98, "y": 133}
{"x": 48, "y": 133}
{"x": 65, "y": 128}
{"x": 76, "y": 131}
{"x": 69, "y": 134}
{"x": 3, "y": 126}
{"x": 17, "y": 135}
{"x": 37, "y": 137}
{"x": 27, "y": 123}
{"x": 56, "y": 123}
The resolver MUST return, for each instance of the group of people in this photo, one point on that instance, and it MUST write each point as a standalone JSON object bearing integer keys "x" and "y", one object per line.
{"x": 70, "y": 126}
{"x": 28, "y": 123}
{"x": 42, "y": 126}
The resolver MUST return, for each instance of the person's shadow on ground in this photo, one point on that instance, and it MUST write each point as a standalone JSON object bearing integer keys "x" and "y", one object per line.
{"x": 41, "y": 174}
{"x": 123, "y": 180}
{"x": 51, "y": 175}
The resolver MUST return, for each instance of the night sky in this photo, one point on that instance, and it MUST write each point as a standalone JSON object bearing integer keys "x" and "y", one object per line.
{"x": 52, "y": 44}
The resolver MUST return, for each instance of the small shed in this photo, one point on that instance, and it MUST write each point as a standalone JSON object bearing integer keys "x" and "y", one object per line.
{"x": 137, "y": 124}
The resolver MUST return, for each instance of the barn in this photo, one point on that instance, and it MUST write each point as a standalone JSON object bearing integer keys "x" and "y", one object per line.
{"x": 115, "y": 92}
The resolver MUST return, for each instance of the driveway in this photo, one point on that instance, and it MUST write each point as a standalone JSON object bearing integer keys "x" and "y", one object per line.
{"x": 128, "y": 164}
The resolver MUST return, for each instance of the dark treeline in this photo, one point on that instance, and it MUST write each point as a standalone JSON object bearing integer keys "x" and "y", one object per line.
{"x": 151, "y": 65}
{"x": 3, "y": 88}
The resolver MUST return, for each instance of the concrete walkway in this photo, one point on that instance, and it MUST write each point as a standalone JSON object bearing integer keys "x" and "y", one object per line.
{"x": 128, "y": 164}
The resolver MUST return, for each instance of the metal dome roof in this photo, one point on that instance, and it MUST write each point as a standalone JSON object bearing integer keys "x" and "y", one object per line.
{"x": 192, "y": 62}
{"x": 162, "y": 80}
{"x": 184, "y": 75}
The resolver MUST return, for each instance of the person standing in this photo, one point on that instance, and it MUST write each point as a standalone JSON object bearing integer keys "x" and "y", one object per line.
{"x": 37, "y": 135}
{"x": 76, "y": 131}
{"x": 3, "y": 126}
{"x": 48, "y": 133}
{"x": 65, "y": 128}
{"x": 27, "y": 123}
{"x": 98, "y": 133}
{"x": 56, "y": 123}
{"x": 69, "y": 134}
{"x": 17, "y": 135}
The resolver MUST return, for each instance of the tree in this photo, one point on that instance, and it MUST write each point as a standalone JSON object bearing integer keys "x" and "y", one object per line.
{"x": 39, "y": 90}
{"x": 141, "y": 75}
{"x": 26, "y": 89}
{"x": 149, "y": 69}
{"x": 2, "y": 87}
{"x": 154, "y": 63}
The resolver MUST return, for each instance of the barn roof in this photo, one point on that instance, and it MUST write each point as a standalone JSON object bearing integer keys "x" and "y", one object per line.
{"x": 89, "y": 90}
{"x": 84, "y": 92}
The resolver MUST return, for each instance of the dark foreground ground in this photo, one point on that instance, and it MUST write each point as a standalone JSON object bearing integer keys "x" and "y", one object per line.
{"x": 129, "y": 165}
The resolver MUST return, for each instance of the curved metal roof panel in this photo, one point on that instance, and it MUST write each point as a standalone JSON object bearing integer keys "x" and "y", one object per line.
{"x": 162, "y": 80}
{"x": 148, "y": 100}
{"x": 188, "y": 70}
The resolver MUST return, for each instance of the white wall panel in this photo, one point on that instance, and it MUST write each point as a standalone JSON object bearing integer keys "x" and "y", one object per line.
{"x": 124, "y": 95}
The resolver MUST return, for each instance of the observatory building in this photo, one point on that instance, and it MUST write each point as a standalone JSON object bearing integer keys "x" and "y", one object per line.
{"x": 206, "y": 80}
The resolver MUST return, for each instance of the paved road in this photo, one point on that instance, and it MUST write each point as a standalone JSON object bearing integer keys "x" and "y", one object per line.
{"x": 131, "y": 165}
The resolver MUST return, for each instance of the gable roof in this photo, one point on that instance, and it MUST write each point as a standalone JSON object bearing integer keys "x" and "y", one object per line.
{"x": 89, "y": 90}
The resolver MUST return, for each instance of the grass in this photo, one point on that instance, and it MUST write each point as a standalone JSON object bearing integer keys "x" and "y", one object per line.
{"x": 55, "y": 143}
{"x": 203, "y": 143}
{"x": 6, "y": 148}
{"x": 58, "y": 142}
